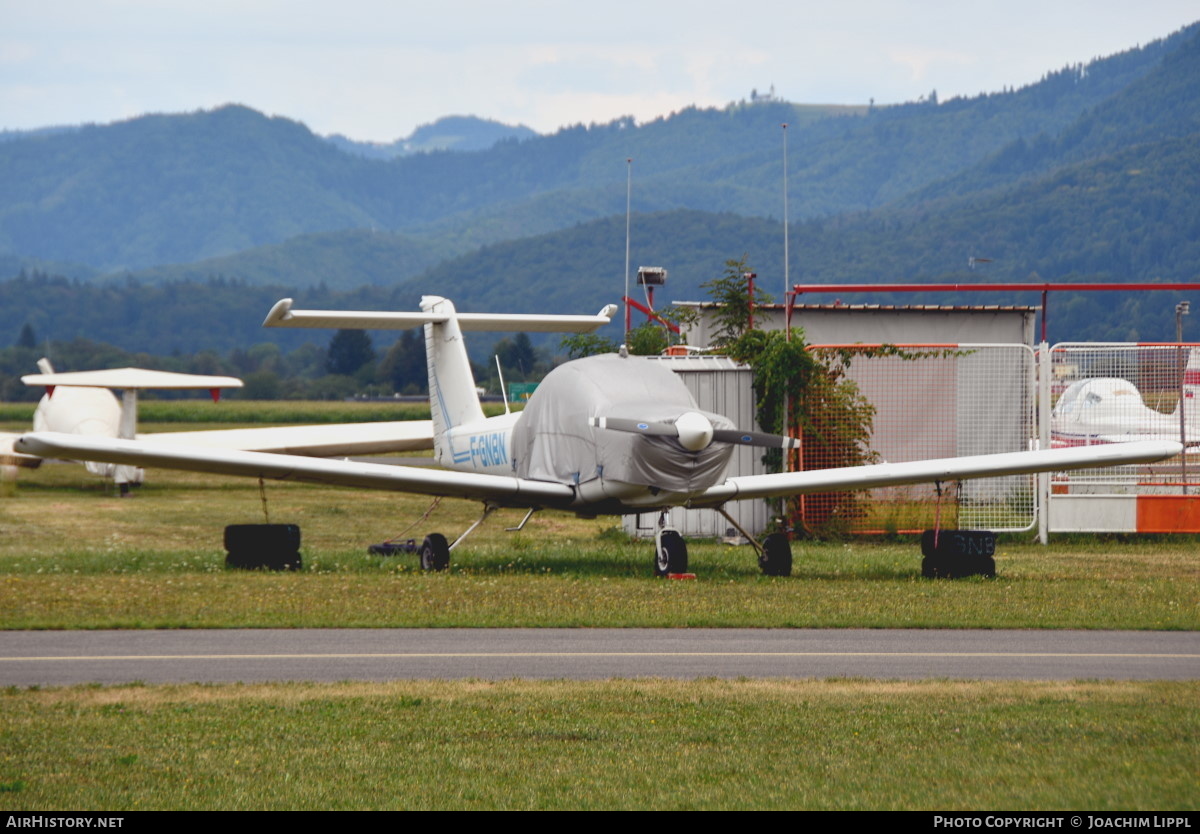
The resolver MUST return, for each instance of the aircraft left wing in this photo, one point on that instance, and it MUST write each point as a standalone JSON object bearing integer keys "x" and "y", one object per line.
{"x": 929, "y": 471}
{"x": 332, "y": 440}
{"x": 294, "y": 468}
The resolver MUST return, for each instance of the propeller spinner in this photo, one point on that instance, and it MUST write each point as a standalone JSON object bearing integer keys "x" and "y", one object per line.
{"x": 695, "y": 432}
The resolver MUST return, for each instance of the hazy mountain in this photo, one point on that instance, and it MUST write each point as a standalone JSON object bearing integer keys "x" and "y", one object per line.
{"x": 181, "y": 188}
{"x": 449, "y": 133}
{"x": 1090, "y": 173}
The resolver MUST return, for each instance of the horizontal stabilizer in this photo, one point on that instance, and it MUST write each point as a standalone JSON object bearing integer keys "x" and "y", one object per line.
{"x": 132, "y": 378}
{"x": 282, "y": 315}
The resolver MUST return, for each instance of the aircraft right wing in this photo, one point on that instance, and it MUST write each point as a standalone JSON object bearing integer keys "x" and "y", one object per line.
{"x": 499, "y": 488}
{"x": 321, "y": 441}
{"x": 930, "y": 471}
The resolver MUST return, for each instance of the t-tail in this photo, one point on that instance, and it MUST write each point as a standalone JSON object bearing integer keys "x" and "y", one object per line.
{"x": 453, "y": 400}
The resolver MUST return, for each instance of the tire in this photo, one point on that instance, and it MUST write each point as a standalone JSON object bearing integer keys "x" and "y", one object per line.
{"x": 985, "y": 566}
{"x": 435, "y": 553}
{"x": 251, "y": 537}
{"x": 670, "y": 553}
{"x": 776, "y": 558}
{"x": 934, "y": 567}
{"x": 269, "y": 546}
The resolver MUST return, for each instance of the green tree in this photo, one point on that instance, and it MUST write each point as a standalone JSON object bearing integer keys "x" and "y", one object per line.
{"x": 403, "y": 366}
{"x": 798, "y": 393}
{"x": 731, "y": 290}
{"x": 579, "y": 345}
{"x": 26, "y": 339}
{"x": 649, "y": 339}
{"x": 349, "y": 350}
{"x": 516, "y": 355}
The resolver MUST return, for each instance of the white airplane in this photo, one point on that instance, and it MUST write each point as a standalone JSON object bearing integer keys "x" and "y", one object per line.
{"x": 83, "y": 403}
{"x": 1111, "y": 410}
{"x": 609, "y": 434}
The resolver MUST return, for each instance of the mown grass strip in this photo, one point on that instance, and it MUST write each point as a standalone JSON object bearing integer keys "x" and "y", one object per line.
{"x": 402, "y": 600}
{"x": 707, "y": 744}
{"x": 72, "y": 555}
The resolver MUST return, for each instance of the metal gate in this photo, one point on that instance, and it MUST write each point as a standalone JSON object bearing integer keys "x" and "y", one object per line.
{"x": 926, "y": 401}
{"x": 1113, "y": 392}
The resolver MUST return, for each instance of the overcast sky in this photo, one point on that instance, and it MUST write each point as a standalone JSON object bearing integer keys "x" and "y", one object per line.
{"x": 375, "y": 70}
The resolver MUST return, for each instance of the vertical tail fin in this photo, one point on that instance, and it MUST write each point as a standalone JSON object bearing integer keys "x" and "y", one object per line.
{"x": 453, "y": 400}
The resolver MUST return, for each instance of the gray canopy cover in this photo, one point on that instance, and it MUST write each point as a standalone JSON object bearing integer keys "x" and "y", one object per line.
{"x": 553, "y": 441}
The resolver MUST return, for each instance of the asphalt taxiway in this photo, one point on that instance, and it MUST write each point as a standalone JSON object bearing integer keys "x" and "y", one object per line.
{"x": 66, "y": 657}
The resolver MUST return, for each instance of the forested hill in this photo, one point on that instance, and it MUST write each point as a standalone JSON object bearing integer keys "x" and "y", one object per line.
{"x": 171, "y": 189}
{"x": 449, "y": 133}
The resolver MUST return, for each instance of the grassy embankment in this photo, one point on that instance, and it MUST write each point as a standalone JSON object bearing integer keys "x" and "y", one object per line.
{"x": 839, "y": 744}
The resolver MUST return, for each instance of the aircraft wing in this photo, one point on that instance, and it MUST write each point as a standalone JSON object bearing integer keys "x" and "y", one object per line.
{"x": 498, "y": 488}
{"x": 929, "y": 471}
{"x": 10, "y": 457}
{"x": 323, "y": 441}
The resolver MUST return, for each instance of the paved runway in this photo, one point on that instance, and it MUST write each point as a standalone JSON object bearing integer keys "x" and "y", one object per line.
{"x": 66, "y": 657}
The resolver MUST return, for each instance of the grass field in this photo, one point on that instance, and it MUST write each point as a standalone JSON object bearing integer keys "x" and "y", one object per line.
{"x": 73, "y": 555}
{"x": 652, "y": 744}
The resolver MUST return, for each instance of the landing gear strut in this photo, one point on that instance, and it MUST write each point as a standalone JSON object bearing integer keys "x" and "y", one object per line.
{"x": 434, "y": 551}
{"x": 774, "y": 552}
{"x": 670, "y": 550}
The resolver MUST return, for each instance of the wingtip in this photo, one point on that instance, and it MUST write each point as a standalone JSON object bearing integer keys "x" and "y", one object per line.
{"x": 280, "y": 313}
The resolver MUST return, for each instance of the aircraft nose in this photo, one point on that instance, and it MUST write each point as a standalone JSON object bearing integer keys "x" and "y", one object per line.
{"x": 694, "y": 430}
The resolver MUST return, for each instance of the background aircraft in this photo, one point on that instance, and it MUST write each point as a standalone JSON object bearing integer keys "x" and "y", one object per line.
{"x": 83, "y": 403}
{"x": 1111, "y": 410}
{"x": 611, "y": 434}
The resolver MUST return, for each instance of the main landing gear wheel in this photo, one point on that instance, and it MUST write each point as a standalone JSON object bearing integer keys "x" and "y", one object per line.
{"x": 670, "y": 553}
{"x": 435, "y": 553}
{"x": 776, "y": 556}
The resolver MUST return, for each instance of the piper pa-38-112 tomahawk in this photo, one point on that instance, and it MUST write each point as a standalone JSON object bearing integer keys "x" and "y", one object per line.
{"x": 603, "y": 435}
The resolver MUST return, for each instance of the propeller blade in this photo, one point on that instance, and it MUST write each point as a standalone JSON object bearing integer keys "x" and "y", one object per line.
{"x": 633, "y": 426}
{"x": 693, "y": 431}
{"x": 755, "y": 438}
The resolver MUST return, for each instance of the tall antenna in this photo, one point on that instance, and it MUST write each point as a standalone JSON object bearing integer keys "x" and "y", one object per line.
{"x": 787, "y": 284}
{"x": 628, "y": 195}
